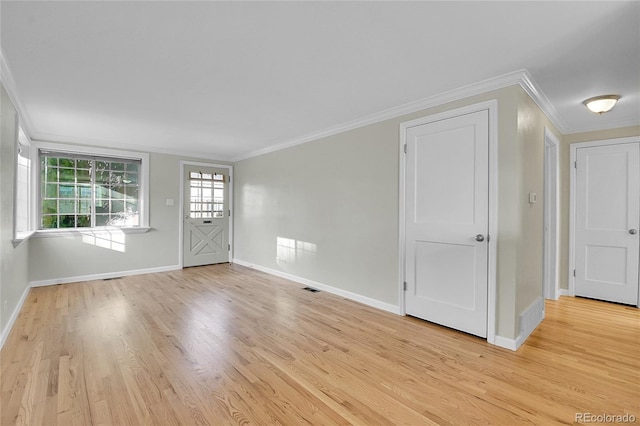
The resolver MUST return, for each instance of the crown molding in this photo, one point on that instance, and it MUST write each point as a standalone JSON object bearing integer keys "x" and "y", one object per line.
{"x": 58, "y": 139}
{"x": 520, "y": 77}
{"x": 6, "y": 77}
{"x": 528, "y": 84}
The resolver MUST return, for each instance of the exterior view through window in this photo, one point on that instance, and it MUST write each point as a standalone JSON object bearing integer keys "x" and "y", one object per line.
{"x": 84, "y": 191}
{"x": 207, "y": 195}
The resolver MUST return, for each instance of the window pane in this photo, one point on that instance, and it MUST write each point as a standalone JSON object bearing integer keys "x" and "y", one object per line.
{"x": 67, "y": 206}
{"x": 83, "y": 176}
{"x": 84, "y": 221}
{"x": 50, "y": 206}
{"x": 67, "y": 191}
{"x": 117, "y": 206}
{"x": 84, "y": 206}
{"x": 52, "y": 174}
{"x": 130, "y": 178}
{"x": 67, "y": 162}
{"x": 67, "y": 175}
{"x": 83, "y": 164}
{"x": 67, "y": 221}
{"x": 51, "y": 191}
{"x": 117, "y": 166}
{"x": 49, "y": 222}
{"x": 84, "y": 191}
{"x": 132, "y": 192}
{"x": 102, "y": 206}
{"x": 102, "y": 219}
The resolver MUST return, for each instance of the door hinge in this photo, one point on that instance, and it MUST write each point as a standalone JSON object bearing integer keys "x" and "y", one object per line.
{"x": 488, "y": 237}
{"x": 228, "y": 247}
{"x": 404, "y": 286}
{"x": 405, "y": 148}
{"x": 575, "y": 164}
{"x": 229, "y": 212}
{"x": 574, "y": 272}
{"x": 229, "y": 178}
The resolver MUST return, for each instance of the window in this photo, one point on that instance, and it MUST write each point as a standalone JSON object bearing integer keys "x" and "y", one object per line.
{"x": 22, "y": 224}
{"x": 207, "y": 195}
{"x": 81, "y": 190}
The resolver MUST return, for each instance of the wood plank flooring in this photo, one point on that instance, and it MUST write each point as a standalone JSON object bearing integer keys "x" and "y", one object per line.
{"x": 225, "y": 344}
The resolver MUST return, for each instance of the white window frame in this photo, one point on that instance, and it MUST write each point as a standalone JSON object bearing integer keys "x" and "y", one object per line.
{"x": 19, "y": 234}
{"x": 143, "y": 180}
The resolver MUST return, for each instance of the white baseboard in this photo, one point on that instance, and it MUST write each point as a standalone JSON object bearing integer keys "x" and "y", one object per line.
{"x": 66, "y": 280}
{"x": 14, "y": 317}
{"x": 530, "y": 318}
{"x": 564, "y": 292}
{"x": 324, "y": 287}
{"x": 503, "y": 342}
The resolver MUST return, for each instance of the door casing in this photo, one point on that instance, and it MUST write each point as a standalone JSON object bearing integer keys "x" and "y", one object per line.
{"x": 184, "y": 163}
{"x": 551, "y": 216}
{"x": 572, "y": 200}
{"x": 492, "y": 107}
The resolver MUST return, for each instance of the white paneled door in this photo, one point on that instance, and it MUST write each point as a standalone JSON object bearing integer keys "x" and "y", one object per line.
{"x": 607, "y": 220}
{"x": 447, "y": 222}
{"x": 206, "y": 216}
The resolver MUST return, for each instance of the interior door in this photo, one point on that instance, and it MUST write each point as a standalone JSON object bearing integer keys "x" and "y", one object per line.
{"x": 447, "y": 221}
{"x": 206, "y": 220}
{"x": 607, "y": 218}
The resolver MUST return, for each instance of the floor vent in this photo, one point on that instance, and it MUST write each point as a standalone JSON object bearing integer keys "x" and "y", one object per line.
{"x": 311, "y": 289}
{"x": 109, "y": 279}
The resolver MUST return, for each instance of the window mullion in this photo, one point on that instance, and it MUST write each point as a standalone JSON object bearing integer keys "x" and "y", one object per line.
{"x": 93, "y": 193}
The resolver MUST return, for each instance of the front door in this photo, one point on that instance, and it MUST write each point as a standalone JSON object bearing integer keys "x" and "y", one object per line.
{"x": 447, "y": 221}
{"x": 607, "y": 222}
{"x": 206, "y": 219}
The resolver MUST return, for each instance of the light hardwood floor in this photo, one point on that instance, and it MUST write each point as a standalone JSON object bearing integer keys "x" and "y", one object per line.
{"x": 229, "y": 345}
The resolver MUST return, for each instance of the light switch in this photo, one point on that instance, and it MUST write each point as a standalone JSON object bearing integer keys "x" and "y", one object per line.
{"x": 533, "y": 197}
{"x": 169, "y": 201}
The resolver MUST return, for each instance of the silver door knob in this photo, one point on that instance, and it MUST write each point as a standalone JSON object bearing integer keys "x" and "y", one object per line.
{"x": 633, "y": 231}
{"x": 479, "y": 237}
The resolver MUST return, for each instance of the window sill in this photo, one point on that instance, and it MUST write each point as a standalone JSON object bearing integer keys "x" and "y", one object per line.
{"x": 48, "y": 233}
{"x": 22, "y": 236}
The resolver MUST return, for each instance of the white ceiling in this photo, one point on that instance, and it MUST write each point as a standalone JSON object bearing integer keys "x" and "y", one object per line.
{"x": 225, "y": 79}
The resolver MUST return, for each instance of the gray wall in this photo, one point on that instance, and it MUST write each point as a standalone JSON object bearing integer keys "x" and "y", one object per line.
{"x": 54, "y": 258}
{"x": 340, "y": 193}
{"x": 13, "y": 260}
{"x": 530, "y": 238}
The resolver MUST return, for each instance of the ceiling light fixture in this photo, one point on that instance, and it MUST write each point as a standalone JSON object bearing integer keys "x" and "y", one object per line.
{"x": 601, "y": 104}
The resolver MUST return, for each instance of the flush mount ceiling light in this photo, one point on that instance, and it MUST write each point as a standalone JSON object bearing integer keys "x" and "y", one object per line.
{"x": 601, "y": 104}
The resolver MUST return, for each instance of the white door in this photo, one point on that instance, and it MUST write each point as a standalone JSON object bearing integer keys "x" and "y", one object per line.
{"x": 206, "y": 220}
{"x": 447, "y": 220}
{"x": 607, "y": 221}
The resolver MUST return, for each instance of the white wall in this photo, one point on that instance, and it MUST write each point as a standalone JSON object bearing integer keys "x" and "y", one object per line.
{"x": 13, "y": 260}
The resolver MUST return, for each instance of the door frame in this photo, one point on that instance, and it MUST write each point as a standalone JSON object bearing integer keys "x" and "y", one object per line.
{"x": 551, "y": 216}
{"x": 492, "y": 107}
{"x": 183, "y": 164}
{"x": 573, "y": 148}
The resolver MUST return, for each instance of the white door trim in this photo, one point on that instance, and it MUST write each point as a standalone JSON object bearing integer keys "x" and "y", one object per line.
{"x": 572, "y": 197}
{"x": 492, "y": 107}
{"x": 551, "y": 215}
{"x": 184, "y": 163}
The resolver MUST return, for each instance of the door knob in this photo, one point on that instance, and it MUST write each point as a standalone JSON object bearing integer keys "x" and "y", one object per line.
{"x": 633, "y": 231}
{"x": 479, "y": 237}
